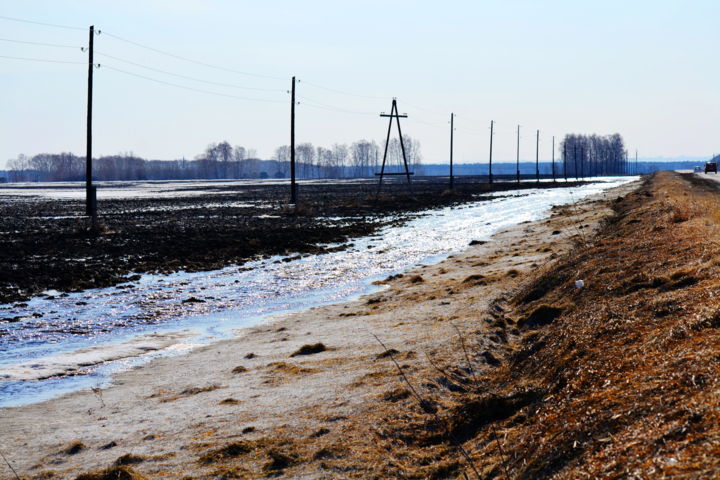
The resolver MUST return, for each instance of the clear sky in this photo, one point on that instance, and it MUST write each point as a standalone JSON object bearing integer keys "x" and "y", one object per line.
{"x": 645, "y": 69}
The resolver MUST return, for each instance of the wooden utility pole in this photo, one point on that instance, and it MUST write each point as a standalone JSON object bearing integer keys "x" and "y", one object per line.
{"x": 452, "y": 129}
{"x": 293, "y": 186}
{"x": 577, "y": 170}
{"x": 491, "y": 139}
{"x": 517, "y": 160}
{"x": 625, "y": 165}
{"x": 537, "y": 157}
{"x": 90, "y": 191}
{"x": 553, "y": 158}
{"x": 565, "y": 159}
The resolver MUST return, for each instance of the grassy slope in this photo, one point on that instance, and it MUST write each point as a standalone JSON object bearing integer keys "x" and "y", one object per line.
{"x": 624, "y": 382}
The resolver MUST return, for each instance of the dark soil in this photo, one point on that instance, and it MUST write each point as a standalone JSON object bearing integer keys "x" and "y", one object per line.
{"x": 50, "y": 244}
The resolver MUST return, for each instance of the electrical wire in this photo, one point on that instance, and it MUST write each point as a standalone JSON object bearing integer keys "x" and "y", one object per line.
{"x": 434, "y": 112}
{"x": 191, "y": 60}
{"x": 12, "y": 19}
{"x": 341, "y": 92}
{"x": 315, "y": 103}
{"x": 208, "y": 92}
{"x": 431, "y": 124}
{"x": 375, "y": 97}
{"x": 186, "y": 77}
{"x": 42, "y": 60}
{"x": 39, "y": 43}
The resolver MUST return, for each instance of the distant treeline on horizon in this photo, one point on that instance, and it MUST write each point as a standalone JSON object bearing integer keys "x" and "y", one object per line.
{"x": 590, "y": 155}
{"x": 222, "y": 161}
{"x": 430, "y": 170}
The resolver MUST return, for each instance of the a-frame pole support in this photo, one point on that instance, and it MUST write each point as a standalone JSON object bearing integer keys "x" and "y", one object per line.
{"x": 394, "y": 113}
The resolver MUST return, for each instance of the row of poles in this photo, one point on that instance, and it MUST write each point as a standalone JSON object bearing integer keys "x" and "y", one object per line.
{"x": 91, "y": 190}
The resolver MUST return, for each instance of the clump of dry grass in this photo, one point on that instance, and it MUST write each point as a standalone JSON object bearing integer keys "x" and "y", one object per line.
{"x": 541, "y": 315}
{"x": 289, "y": 368}
{"x": 278, "y": 461}
{"x": 309, "y": 349}
{"x": 396, "y": 394}
{"x": 74, "y": 448}
{"x": 231, "y": 450}
{"x": 190, "y": 391}
{"x": 112, "y": 473}
{"x": 129, "y": 459}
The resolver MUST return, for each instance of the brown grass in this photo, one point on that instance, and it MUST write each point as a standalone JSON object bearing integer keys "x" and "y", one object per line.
{"x": 309, "y": 349}
{"x": 190, "y": 391}
{"x": 74, "y": 448}
{"x": 112, "y": 473}
{"x": 130, "y": 459}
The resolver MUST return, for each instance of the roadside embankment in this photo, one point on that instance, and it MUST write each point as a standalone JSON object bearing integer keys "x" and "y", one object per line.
{"x": 618, "y": 378}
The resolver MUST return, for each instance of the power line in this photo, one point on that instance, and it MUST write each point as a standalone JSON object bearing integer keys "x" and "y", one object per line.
{"x": 434, "y": 112}
{"x": 186, "y": 59}
{"x": 431, "y": 124}
{"x": 42, "y": 60}
{"x": 316, "y": 104}
{"x": 341, "y": 92}
{"x": 191, "y": 88}
{"x": 12, "y": 19}
{"x": 209, "y": 82}
{"x": 39, "y": 43}
{"x": 375, "y": 97}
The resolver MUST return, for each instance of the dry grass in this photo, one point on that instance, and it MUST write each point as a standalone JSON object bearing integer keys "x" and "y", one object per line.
{"x": 190, "y": 391}
{"x": 74, "y": 447}
{"x": 309, "y": 349}
{"x": 627, "y": 375}
{"x": 112, "y": 473}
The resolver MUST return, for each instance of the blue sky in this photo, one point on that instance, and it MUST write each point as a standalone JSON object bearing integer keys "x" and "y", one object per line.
{"x": 644, "y": 69}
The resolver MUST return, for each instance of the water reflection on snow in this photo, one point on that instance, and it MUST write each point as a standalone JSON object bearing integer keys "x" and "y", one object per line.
{"x": 213, "y": 304}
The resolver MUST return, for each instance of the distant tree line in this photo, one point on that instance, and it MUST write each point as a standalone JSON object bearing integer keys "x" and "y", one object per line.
{"x": 594, "y": 155}
{"x": 221, "y": 161}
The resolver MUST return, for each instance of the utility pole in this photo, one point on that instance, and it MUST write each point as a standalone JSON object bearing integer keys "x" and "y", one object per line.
{"x": 537, "y": 157}
{"x": 625, "y": 166}
{"x": 553, "y": 158}
{"x": 90, "y": 190}
{"x": 394, "y": 113}
{"x": 517, "y": 161}
{"x": 565, "y": 159}
{"x": 491, "y": 139}
{"x": 636, "y": 165}
{"x": 293, "y": 186}
{"x": 575, "y": 159}
{"x": 452, "y": 129}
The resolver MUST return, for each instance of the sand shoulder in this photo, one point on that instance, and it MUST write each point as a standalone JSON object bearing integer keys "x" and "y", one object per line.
{"x": 174, "y": 415}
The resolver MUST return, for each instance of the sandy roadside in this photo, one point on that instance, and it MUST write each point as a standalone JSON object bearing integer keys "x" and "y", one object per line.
{"x": 171, "y": 412}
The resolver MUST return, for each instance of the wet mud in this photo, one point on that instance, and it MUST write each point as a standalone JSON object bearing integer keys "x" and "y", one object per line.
{"x": 48, "y": 244}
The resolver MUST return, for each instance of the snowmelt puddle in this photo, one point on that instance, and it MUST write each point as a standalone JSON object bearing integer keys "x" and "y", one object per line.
{"x": 63, "y": 342}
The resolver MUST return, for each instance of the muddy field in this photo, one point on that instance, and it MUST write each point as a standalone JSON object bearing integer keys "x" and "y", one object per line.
{"x": 46, "y": 243}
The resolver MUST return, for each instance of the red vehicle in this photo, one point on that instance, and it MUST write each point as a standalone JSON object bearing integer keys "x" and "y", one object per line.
{"x": 711, "y": 167}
